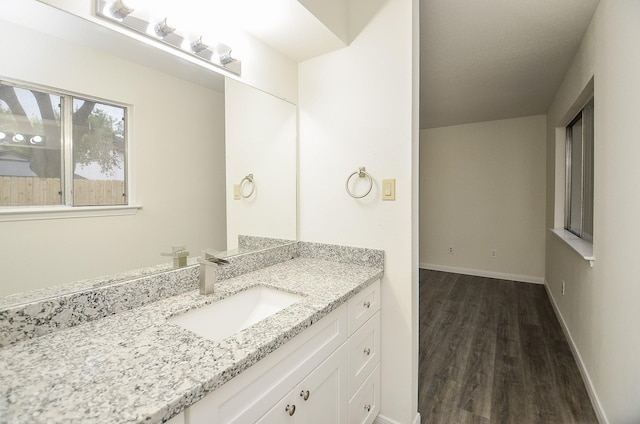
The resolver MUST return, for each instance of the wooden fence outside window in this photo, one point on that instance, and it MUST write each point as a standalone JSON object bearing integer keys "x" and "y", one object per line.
{"x": 35, "y": 191}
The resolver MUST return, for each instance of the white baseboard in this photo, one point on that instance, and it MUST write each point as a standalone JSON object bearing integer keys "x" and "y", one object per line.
{"x": 381, "y": 419}
{"x": 483, "y": 273}
{"x": 595, "y": 401}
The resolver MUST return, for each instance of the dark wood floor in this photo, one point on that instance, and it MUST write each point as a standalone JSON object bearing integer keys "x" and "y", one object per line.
{"x": 492, "y": 351}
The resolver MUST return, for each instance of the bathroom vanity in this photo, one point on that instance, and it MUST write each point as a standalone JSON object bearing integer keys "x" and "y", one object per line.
{"x": 328, "y": 373}
{"x": 316, "y": 360}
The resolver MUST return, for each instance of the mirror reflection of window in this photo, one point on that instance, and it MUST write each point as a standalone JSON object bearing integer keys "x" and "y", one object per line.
{"x": 98, "y": 154}
{"x": 30, "y": 147}
{"x": 33, "y": 145}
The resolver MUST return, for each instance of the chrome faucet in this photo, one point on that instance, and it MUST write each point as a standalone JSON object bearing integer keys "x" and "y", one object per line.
{"x": 179, "y": 255}
{"x": 209, "y": 271}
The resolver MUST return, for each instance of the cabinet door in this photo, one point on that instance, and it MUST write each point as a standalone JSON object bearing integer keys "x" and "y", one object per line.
{"x": 322, "y": 395}
{"x": 320, "y": 398}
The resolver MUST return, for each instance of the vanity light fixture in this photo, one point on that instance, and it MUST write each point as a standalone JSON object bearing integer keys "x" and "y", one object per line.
{"x": 2, "y": 135}
{"x": 18, "y": 138}
{"x": 163, "y": 29}
{"x": 225, "y": 58}
{"x": 117, "y": 12}
{"x": 224, "y": 54}
{"x": 36, "y": 139}
{"x": 198, "y": 46}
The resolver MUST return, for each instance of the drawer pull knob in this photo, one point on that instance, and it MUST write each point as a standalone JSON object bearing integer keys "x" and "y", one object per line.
{"x": 290, "y": 409}
{"x": 304, "y": 394}
{"x": 367, "y": 351}
{"x": 367, "y": 304}
{"x": 367, "y": 408}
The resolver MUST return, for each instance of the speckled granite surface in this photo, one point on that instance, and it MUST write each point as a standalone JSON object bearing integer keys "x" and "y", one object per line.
{"x": 41, "y": 317}
{"x": 253, "y": 260}
{"x": 247, "y": 246}
{"x": 344, "y": 254}
{"x": 135, "y": 367}
{"x": 37, "y": 316}
{"x": 84, "y": 285}
{"x": 255, "y": 243}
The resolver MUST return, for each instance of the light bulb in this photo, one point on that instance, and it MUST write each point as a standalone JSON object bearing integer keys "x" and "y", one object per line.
{"x": 225, "y": 58}
{"x": 163, "y": 29}
{"x": 119, "y": 10}
{"x": 198, "y": 45}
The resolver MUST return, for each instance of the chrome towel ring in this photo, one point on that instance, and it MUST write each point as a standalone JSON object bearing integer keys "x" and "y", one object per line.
{"x": 248, "y": 179}
{"x": 361, "y": 173}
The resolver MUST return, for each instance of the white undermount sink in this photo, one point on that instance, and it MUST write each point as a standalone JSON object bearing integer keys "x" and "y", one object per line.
{"x": 230, "y": 315}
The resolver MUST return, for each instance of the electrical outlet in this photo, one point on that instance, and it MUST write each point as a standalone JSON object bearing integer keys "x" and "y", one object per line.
{"x": 494, "y": 253}
{"x": 451, "y": 250}
{"x": 563, "y": 287}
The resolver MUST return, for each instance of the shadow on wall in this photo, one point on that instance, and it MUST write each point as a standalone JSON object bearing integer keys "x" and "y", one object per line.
{"x": 366, "y": 10}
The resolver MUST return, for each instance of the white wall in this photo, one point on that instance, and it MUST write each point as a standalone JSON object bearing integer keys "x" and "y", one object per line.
{"x": 356, "y": 108}
{"x": 261, "y": 139}
{"x": 482, "y": 187}
{"x": 600, "y": 305}
{"x": 177, "y": 140}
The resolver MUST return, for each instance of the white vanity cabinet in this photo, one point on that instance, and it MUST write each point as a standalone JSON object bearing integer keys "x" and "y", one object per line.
{"x": 178, "y": 419}
{"x": 319, "y": 376}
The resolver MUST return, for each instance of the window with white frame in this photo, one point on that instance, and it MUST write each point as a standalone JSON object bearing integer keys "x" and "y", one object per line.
{"x": 579, "y": 174}
{"x": 59, "y": 149}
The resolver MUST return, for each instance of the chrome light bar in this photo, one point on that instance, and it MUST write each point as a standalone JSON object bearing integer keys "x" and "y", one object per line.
{"x": 119, "y": 13}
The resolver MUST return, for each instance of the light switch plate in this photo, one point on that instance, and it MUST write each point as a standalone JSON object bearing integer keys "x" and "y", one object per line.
{"x": 389, "y": 189}
{"x": 236, "y": 192}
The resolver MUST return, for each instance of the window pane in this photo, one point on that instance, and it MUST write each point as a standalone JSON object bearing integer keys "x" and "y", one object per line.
{"x": 98, "y": 154}
{"x": 587, "y": 201}
{"x": 30, "y": 147}
{"x": 575, "y": 218}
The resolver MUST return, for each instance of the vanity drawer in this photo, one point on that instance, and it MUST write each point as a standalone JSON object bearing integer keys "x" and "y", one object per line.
{"x": 365, "y": 404}
{"x": 363, "y": 305}
{"x": 364, "y": 352}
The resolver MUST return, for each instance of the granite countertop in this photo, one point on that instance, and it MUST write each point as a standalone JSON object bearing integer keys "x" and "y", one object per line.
{"x": 136, "y": 367}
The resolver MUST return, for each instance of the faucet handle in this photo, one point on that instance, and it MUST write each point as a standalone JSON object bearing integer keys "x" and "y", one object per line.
{"x": 210, "y": 256}
{"x": 218, "y": 261}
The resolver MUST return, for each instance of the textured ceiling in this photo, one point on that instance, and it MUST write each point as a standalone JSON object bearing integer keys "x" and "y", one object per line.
{"x": 484, "y": 60}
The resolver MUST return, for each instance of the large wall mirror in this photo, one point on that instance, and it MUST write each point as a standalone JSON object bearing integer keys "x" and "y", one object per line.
{"x": 260, "y": 135}
{"x": 192, "y": 145}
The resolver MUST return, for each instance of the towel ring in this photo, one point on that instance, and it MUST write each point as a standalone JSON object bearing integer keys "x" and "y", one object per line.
{"x": 361, "y": 173}
{"x": 249, "y": 179}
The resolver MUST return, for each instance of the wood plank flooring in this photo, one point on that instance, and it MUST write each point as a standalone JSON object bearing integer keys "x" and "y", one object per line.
{"x": 492, "y": 351}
